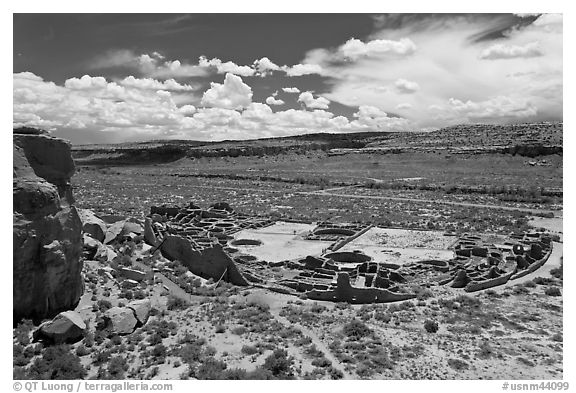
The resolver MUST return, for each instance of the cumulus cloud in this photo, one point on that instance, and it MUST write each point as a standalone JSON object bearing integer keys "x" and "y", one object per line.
{"x": 496, "y": 107}
{"x": 227, "y": 67}
{"x": 265, "y": 66}
{"x": 140, "y": 113}
{"x": 291, "y": 90}
{"x": 503, "y": 51}
{"x": 273, "y": 101}
{"x": 403, "y": 106}
{"x": 406, "y": 87}
{"x": 446, "y": 64}
{"x": 303, "y": 69}
{"x": 232, "y": 94}
{"x": 307, "y": 98}
{"x": 354, "y": 49}
{"x": 149, "y": 83}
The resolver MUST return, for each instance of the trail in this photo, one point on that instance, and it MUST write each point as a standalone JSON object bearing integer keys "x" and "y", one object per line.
{"x": 466, "y": 204}
{"x": 315, "y": 340}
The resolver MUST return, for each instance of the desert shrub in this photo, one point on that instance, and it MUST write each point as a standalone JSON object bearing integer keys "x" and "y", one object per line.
{"x": 317, "y": 308}
{"x": 220, "y": 329}
{"x": 558, "y": 272}
{"x": 104, "y": 305}
{"x": 544, "y": 281}
{"x": 457, "y": 364}
{"x": 22, "y": 331}
{"x": 553, "y": 291}
{"x": 431, "y": 326}
{"x": 485, "y": 350}
{"x": 249, "y": 349}
{"x": 82, "y": 350}
{"x": 176, "y": 303}
{"x": 240, "y": 330}
{"x": 279, "y": 364}
{"x": 101, "y": 356}
{"x": 57, "y": 362}
{"x": 321, "y": 362}
{"x": 211, "y": 369}
{"x": 557, "y": 337}
{"x": 234, "y": 374}
{"x": 335, "y": 373}
{"x": 382, "y": 316}
{"x": 356, "y": 330}
{"x": 117, "y": 367}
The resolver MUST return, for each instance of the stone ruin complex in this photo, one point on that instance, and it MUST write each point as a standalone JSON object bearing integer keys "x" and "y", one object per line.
{"x": 203, "y": 241}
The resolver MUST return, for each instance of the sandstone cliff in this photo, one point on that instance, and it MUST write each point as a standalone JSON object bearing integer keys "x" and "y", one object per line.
{"x": 47, "y": 231}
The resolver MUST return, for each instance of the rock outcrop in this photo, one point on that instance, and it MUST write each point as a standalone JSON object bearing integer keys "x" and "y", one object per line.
{"x": 47, "y": 230}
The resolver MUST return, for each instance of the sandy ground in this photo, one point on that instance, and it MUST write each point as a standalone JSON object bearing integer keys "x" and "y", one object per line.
{"x": 401, "y": 246}
{"x": 281, "y": 242}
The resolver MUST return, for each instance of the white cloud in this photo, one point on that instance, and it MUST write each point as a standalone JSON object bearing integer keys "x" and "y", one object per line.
{"x": 227, "y": 67}
{"x": 370, "y": 118}
{"x": 403, "y": 106}
{"x": 497, "y": 107}
{"x": 446, "y": 65}
{"x": 302, "y": 69}
{"x": 86, "y": 82}
{"x": 273, "y": 101}
{"x": 130, "y": 111}
{"x": 232, "y": 94}
{"x": 503, "y": 51}
{"x": 315, "y": 103}
{"x": 406, "y": 87}
{"x": 148, "y": 83}
{"x": 354, "y": 49}
{"x": 265, "y": 66}
{"x": 291, "y": 90}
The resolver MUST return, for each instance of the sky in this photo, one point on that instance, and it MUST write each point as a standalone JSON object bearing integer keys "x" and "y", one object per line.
{"x": 109, "y": 78}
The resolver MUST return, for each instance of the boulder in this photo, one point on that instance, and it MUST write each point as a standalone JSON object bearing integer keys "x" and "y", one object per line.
{"x": 114, "y": 231}
{"x": 132, "y": 274}
{"x": 120, "y": 320}
{"x": 149, "y": 235}
{"x": 106, "y": 254}
{"x": 92, "y": 224}
{"x": 66, "y": 327}
{"x": 141, "y": 310}
{"x": 91, "y": 246}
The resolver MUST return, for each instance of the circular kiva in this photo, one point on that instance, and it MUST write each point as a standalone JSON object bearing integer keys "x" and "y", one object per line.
{"x": 246, "y": 242}
{"x": 349, "y": 257}
{"x": 245, "y": 258}
{"x": 334, "y": 231}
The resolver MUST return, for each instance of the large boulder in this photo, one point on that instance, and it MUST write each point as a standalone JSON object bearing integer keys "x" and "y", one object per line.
{"x": 92, "y": 224}
{"x": 66, "y": 327}
{"x": 120, "y": 320}
{"x": 47, "y": 231}
{"x": 141, "y": 310}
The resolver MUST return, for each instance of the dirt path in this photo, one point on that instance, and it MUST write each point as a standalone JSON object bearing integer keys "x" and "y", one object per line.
{"x": 467, "y": 204}
{"x": 315, "y": 340}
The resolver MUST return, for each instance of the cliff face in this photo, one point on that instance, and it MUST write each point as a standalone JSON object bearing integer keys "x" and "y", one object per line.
{"x": 47, "y": 237}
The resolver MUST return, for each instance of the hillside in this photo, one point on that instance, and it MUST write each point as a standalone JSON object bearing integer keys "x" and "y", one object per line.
{"x": 530, "y": 140}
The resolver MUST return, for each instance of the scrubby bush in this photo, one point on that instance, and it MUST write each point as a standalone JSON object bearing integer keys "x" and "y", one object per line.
{"x": 57, "y": 362}
{"x": 431, "y": 326}
{"x": 279, "y": 364}
{"x": 249, "y": 349}
{"x": 176, "y": 303}
{"x": 553, "y": 291}
{"x": 356, "y": 330}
